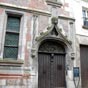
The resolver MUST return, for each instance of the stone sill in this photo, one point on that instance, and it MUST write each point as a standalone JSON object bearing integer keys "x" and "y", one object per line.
{"x": 11, "y": 62}
{"x": 85, "y": 27}
{"x": 53, "y": 3}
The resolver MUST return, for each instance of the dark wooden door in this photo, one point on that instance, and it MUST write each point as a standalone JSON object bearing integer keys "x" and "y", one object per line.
{"x": 84, "y": 65}
{"x": 51, "y": 69}
{"x": 44, "y": 71}
{"x": 58, "y": 71}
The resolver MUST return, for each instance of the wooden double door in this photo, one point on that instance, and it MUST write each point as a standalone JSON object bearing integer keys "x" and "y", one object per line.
{"x": 51, "y": 68}
{"x": 84, "y": 65}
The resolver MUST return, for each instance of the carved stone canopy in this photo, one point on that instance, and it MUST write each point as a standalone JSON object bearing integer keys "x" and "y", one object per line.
{"x": 53, "y": 32}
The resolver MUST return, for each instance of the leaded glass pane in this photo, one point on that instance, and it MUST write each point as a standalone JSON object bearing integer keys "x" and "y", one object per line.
{"x": 13, "y": 24}
{"x": 10, "y": 52}
{"x": 11, "y": 39}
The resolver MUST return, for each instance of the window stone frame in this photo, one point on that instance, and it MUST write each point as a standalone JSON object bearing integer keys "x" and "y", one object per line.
{"x": 19, "y": 60}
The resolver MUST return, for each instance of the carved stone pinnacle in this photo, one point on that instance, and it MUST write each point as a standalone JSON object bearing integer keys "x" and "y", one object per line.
{"x": 54, "y": 20}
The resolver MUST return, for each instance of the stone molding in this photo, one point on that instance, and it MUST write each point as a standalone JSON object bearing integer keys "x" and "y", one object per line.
{"x": 11, "y": 62}
{"x": 66, "y": 17}
{"x": 53, "y": 3}
{"x": 27, "y": 9}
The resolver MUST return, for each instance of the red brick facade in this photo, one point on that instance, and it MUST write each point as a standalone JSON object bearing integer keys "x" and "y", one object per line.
{"x": 28, "y": 8}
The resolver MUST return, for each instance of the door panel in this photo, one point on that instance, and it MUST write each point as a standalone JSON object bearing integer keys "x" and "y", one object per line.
{"x": 44, "y": 71}
{"x": 51, "y": 71}
{"x": 58, "y": 71}
{"x": 84, "y": 65}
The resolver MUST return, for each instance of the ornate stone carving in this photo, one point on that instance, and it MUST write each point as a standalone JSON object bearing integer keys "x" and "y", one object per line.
{"x": 54, "y": 20}
{"x": 50, "y": 47}
{"x": 54, "y": 32}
